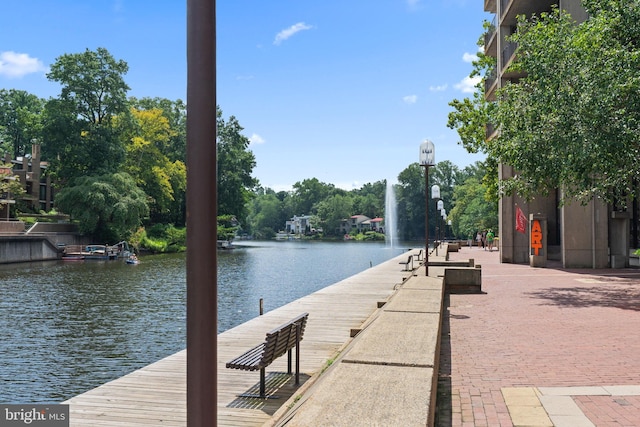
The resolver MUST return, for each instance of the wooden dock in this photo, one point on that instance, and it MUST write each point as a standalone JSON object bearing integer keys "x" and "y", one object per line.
{"x": 156, "y": 394}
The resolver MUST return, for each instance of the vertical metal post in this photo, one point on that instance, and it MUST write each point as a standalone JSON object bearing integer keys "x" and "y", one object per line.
{"x": 202, "y": 374}
{"x": 426, "y": 219}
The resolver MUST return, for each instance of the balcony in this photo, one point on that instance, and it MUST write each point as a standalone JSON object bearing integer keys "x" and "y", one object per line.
{"x": 491, "y": 40}
{"x": 490, "y": 86}
{"x": 490, "y": 6}
{"x": 510, "y": 9}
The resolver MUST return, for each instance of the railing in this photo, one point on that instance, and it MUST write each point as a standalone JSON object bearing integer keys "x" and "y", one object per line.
{"x": 491, "y": 31}
{"x": 507, "y": 53}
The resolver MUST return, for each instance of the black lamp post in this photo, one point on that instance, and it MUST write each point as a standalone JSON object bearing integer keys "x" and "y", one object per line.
{"x": 427, "y": 159}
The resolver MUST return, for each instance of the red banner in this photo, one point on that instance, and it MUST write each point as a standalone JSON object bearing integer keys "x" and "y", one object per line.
{"x": 521, "y": 220}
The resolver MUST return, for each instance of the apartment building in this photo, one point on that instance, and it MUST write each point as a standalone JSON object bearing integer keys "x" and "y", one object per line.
{"x": 30, "y": 170}
{"x": 579, "y": 236}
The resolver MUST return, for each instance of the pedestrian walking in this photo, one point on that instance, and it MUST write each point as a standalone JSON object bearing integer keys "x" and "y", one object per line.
{"x": 490, "y": 238}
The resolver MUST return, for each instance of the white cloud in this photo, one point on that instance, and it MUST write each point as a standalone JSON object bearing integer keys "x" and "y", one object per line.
{"x": 413, "y": 4}
{"x": 410, "y": 99}
{"x": 469, "y": 57}
{"x": 256, "y": 139}
{"x": 440, "y": 88}
{"x": 288, "y": 32}
{"x": 468, "y": 84}
{"x": 16, "y": 65}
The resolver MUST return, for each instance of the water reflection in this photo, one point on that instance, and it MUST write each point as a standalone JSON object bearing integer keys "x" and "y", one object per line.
{"x": 71, "y": 326}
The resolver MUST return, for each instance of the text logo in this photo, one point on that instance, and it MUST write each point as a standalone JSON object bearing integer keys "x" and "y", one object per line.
{"x": 34, "y": 415}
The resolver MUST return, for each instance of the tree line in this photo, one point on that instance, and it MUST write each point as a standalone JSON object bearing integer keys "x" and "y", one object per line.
{"x": 119, "y": 166}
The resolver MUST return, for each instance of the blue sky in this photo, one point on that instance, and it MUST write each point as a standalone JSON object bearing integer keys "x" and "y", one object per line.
{"x": 339, "y": 90}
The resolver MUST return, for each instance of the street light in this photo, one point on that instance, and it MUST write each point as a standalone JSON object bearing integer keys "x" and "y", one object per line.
{"x": 427, "y": 159}
{"x": 443, "y": 213}
{"x": 440, "y": 206}
{"x": 435, "y": 195}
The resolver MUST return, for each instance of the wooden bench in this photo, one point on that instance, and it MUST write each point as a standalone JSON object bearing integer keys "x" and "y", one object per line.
{"x": 407, "y": 262}
{"x": 279, "y": 341}
{"x": 419, "y": 255}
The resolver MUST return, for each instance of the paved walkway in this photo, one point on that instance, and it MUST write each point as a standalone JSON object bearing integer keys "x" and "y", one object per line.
{"x": 542, "y": 347}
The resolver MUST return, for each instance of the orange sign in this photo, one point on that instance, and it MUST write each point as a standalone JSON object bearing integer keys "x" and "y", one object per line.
{"x": 536, "y": 237}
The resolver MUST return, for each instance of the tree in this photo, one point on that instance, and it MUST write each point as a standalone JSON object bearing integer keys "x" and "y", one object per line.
{"x": 78, "y": 134}
{"x": 411, "y": 203}
{"x": 332, "y": 211}
{"x": 164, "y": 181}
{"x": 20, "y": 120}
{"x": 176, "y": 113}
{"x": 369, "y": 199}
{"x": 108, "y": 207}
{"x": 574, "y": 121}
{"x": 308, "y": 192}
{"x": 472, "y": 210}
{"x": 235, "y": 164}
{"x": 266, "y": 215}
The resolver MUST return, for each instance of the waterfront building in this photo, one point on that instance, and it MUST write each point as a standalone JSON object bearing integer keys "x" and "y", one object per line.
{"x": 592, "y": 235}
{"x": 31, "y": 172}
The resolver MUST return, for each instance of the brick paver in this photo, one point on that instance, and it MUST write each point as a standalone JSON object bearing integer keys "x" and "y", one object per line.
{"x": 539, "y": 327}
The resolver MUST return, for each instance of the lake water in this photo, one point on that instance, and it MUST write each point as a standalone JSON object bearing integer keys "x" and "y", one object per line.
{"x": 71, "y": 326}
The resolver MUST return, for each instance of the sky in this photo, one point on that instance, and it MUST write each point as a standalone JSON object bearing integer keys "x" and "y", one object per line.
{"x": 339, "y": 90}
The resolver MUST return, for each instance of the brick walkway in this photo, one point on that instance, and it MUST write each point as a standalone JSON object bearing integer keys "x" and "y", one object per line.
{"x": 541, "y": 328}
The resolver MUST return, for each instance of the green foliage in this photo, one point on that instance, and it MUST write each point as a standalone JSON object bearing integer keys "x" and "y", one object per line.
{"x": 147, "y": 137}
{"x": 368, "y": 236}
{"x": 472, "y": 210}
{"x": 20, "y": 120}
{"x": 235, "y": 164}
{"x": 333, "y": 210}
{"x": 574, "y": 121}
{"x": 79, "y": 138}
{"x": 108, "y": 207}
{"x": 227, "y": 227}
{"x": 160, "y": 238}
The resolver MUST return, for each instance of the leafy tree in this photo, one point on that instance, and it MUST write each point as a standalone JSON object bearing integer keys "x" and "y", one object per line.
{"x": 108, "y": 207}
{"x": 332, "y": 211}
{"x": 162, "y": 179}
{"x": 176, "y": 113}
{"x": 369, "y": 200}
{"x": 411, "y": 203}
{"x": 235, "y": 164}
{"x": 473, "y": 210}
{"x": 471, "y": 117}
{"x": 20, "y": 120}
{"x": 573, "y": 121}
{"x": 78, "y": 136}
{"x": 308, "y": 192}
{"x": 266, "y": 215}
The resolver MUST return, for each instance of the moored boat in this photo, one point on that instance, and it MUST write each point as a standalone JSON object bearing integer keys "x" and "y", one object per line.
{"x": 73, "y": 258}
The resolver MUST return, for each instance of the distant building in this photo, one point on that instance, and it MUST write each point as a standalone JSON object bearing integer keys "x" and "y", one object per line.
{"x": 298, "y": 225}
{"x": 359, "y": 223}
{"x": 31, "y": 172}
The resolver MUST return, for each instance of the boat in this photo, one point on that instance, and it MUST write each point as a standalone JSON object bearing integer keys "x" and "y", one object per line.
{"x": 99, "y": 252}
{"x": 132, "y": 260}
{"x": 73, "y": 258}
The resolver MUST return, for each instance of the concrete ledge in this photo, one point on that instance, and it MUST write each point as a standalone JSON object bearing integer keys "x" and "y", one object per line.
{"x": 463, "y": 280}
{"x": 369, "y": 395}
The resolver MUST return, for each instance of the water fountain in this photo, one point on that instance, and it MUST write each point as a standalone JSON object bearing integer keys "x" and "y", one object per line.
{"x": 390, "y": 217}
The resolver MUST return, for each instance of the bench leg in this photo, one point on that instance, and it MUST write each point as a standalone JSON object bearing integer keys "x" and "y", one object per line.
{"x": 263, "y": 387}
{"x": 298, "y": 354}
